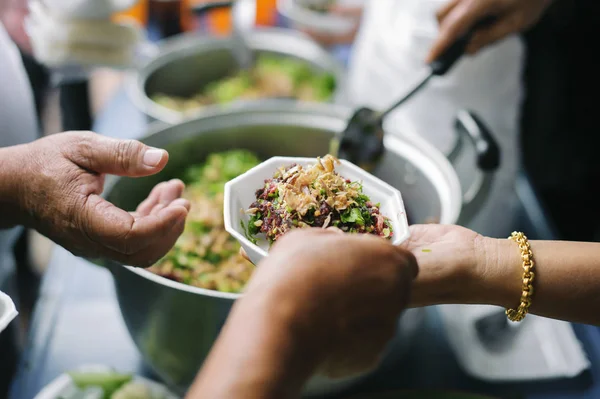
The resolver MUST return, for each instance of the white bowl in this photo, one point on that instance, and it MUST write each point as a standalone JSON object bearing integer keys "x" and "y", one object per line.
{"x": 240, "y": 194}
{"x": 304, "y": 18}
{"x": 7, "y": 311}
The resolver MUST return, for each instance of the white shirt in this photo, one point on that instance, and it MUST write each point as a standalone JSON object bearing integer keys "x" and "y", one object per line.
{"x": 18, "y": 124}
{"x": 389, "y": 53}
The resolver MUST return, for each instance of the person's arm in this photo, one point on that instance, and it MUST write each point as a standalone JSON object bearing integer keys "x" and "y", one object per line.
{"x": 458, "y": 266}
{"x": 54, "y": 185}
{"x": 12, "y": 16}
{"x": 566, "y": 283}
{"x": 323, "y": 311}
{"x": 258, "y": 355}
{"x": 10, "y": 166}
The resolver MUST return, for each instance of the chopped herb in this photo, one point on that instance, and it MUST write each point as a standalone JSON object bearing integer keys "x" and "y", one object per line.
{"x": 316, "y": 196}
{"x": 353, "y": 215}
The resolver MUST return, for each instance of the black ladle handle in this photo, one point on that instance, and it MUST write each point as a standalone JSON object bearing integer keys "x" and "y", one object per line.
{"x": 446, "y": 60}
{"x": 442, "y": 64}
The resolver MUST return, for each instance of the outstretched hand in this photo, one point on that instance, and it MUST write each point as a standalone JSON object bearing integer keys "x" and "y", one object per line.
{"x": 60, "y": 179}
{"x": 449, "y": 257}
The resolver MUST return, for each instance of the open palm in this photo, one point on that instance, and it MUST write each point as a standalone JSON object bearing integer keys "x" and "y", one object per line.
{"x": 448, "y": 256}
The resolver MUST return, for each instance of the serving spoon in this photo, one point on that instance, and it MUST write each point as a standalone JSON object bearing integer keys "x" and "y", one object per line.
{"x": 362, "y": 140}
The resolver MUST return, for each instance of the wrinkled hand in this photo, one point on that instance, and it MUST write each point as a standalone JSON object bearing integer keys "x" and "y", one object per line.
{"x": 60, "y": 186}
{"x": 345, "y": 291}
{"x": 457, "y": 16}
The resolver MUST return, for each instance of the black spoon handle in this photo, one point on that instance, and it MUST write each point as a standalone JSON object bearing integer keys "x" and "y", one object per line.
{"x": 444, "y": 62}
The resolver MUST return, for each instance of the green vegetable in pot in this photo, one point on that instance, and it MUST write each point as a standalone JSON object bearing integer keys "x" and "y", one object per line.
{"x": 272, "y": 76}
{"x": 136, "y": 390}
{"x": 229, "y": 89}
{"x": 110, "y": 382}
{"x": 321, "y": 6}
{"x": 205, "y": 255}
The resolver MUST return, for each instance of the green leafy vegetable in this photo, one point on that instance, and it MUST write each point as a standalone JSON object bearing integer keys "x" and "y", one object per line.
{"x": 205, "y": 255}
{"x": 271, "y": 76}
{"x": 110, "y": 382}
{"x": 353, "y": 215}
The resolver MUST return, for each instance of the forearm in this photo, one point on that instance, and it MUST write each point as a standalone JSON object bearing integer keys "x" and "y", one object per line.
{"x": 458, "y": 266}
{"x": 11, "y": 175}
{"x": 257, "y": 355}
{"x": 566, "y": 285}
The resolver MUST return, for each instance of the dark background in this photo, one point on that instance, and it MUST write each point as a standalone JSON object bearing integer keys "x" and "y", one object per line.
{"x": 560, "y": 134}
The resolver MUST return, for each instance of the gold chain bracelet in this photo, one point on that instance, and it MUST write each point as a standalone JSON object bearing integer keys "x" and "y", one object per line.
{"x": 528, "y": 276}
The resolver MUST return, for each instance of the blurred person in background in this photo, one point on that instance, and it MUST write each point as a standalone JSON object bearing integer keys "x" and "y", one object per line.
{"x": 18, "y": 125}
{"x": 53, "y": 184}
{"x": 395, "y": 40}
{"x": 542, "y": 85}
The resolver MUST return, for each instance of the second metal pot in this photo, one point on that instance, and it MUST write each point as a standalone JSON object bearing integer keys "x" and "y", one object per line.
{"x": 184, "y": 64}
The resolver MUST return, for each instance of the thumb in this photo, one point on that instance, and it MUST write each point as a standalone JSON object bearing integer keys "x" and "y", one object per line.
{"x": 103, "y": 154}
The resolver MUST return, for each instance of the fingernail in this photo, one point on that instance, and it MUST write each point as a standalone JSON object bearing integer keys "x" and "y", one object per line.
{"x": 153, "y": 156}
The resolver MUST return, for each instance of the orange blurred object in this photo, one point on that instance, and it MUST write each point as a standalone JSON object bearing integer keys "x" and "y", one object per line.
{"x": 219, "y": 20}
{"x": 266, "y": 12}
{"x": 138, "y": 12}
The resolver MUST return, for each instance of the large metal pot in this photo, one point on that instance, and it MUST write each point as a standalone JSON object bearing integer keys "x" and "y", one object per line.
{"x": 175, "y": 325}
{"x": 184, "y": 64}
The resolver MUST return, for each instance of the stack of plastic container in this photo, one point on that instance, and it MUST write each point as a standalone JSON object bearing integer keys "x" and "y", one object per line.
{"x": 72, "y": 36}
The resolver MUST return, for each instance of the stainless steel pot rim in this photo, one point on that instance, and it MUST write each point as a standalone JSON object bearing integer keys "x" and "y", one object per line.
{"x": 278, "y": 40}
{"x": 430, "y": 161}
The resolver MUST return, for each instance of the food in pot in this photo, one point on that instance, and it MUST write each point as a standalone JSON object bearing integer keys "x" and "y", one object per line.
{"x": 205, "y": 255}
{"x": 271, "y": 76}
{"x": 316, "y": 196}
{"x": 321, "y": 6}
{"x": 110, "y": 385}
